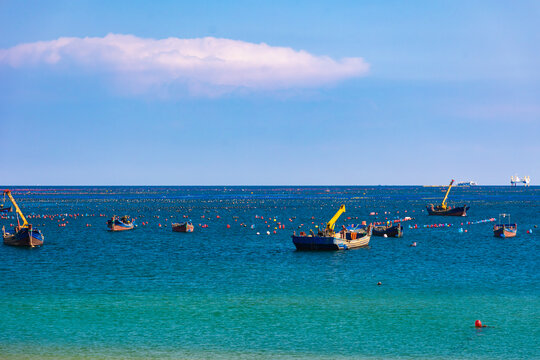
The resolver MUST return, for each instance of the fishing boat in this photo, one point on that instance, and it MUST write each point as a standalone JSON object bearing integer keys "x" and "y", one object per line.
{"x": 23, "y": 234}
{"x": 388, "y": 230}
{"x": 5, "y": 209}
{"x": 121, "y": 224}
{"x": 328, "y": 239}
{"x": 183, "y": 227}
{"x": 505, "y": 228}
{"x": 444, "y": 210}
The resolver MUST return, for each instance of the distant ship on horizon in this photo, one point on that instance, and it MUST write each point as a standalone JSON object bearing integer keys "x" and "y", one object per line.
{"x": 467, "y": 183}
{"x": 514, "y": 180}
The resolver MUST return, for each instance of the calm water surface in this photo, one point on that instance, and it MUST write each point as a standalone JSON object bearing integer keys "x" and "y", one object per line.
{"x": 223, "y": 293}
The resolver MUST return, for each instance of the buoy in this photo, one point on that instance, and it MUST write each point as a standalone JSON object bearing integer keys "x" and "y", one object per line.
{"x": 258, "y": 233}
{"x": 413, "y": 244}
{"x": 268, "y": 233}
{"x": 478, "y": 324}
{"x": 385, "y": 235}
{"x": 379, "y": 283}
{"x": 228, "y": 226}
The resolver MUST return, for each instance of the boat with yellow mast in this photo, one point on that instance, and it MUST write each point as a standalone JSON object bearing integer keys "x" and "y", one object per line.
{"x": 328, "y": 239}
{"x": 23, "y": 234}
{"x": 444, "y": 210}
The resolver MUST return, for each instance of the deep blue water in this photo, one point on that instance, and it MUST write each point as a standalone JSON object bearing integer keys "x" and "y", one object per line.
{"x": 230, "y": 293}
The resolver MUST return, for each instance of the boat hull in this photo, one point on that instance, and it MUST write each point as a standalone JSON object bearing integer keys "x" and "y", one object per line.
{"x": 505, "y": 231}
{"x": 455, "y": 211}
{"x": 117, "y": 225}
{"x": 389, "y": 231}
{"x": 183, "y": 227}
{"x": 5, "y": 209}
{"x": 328, "y": 243}
{"x": 24, "y": 237}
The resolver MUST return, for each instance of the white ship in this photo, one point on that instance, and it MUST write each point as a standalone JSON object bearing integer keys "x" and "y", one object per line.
{"x": 514, "y": 180}
{"x": 467, "y": 183}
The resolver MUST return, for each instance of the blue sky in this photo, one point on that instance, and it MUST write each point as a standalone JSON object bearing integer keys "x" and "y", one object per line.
{"x": 340, "y": 93}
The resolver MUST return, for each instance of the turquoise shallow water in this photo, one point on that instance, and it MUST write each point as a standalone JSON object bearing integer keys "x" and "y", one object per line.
{"x": 229, "y": 293}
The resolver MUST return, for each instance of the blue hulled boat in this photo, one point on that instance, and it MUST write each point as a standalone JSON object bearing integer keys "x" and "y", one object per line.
{"x": 23, "y": 234}
{"x": 330, "y": 240}
{"x": 121, "y": 224}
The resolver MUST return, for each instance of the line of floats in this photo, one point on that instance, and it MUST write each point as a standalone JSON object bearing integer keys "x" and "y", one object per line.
{"x": 327, "y": 238}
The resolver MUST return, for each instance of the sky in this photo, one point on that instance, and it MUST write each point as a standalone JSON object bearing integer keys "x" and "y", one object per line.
{"x": 269, "y": 93}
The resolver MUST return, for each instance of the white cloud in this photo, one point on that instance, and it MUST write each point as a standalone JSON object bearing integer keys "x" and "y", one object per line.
{"x": 205, "y": 63}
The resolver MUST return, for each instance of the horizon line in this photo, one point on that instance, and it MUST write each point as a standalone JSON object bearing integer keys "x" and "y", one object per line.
{"x": 255, "y": 185}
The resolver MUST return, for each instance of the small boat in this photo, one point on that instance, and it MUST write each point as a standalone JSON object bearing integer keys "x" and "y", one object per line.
{"x": 23, "y": 235}
{"x": 504, "y": 229}
{"x": 448, "y": 211}
{"x": 330, "y": 240}
{"x": 388, "y": 230}
{"x": 444, "y": 210}
{"x": 183, "y": 227}
{"x": 121, "y": 224}
{"x": 5, "y": 209}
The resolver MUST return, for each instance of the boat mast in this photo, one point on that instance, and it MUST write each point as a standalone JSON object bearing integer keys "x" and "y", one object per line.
{"x": 330, "y": 225}
{"x": 19, "y": 212}
{"x": 443, "y": 205}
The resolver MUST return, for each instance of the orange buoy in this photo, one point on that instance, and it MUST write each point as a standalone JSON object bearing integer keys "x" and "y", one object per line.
{"x": 478, "y": 324}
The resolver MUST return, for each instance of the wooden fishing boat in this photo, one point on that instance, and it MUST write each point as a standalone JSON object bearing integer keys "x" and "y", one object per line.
{"x": 5, "y": 209}
{"x": 330, "y": 240}
{"x": 449, "y": 211}
{"x": 121, "y": 224}
{"x": 183, "y": 227}
{"x": 303, "y": 242}
{"x": 504, "y": 228}
{"x": 23, "y": 234}
{"x": 444, "y": 210}
{"x": 388, "y": 230}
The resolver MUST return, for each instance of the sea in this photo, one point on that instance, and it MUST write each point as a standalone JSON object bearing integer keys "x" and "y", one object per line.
{"x": 236, "y": 288}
